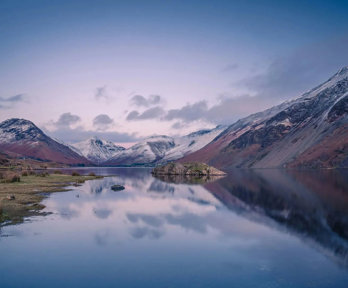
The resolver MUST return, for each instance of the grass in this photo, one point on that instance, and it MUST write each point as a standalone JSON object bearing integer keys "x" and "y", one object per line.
{"x": 29, "y": 193}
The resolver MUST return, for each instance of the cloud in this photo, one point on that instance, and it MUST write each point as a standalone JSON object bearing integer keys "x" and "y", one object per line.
{"x": 151, "y": 113}
{"x": 102, "y": 122}
{"x": 15, "y": 98}
{"x": 290, "y": 76}
{"x": 65, "y": 130}
{"x": 178, "y": 125}
{"x": 189, "y": 112}
{"x": 69, "y": 135}
{"x": 145, "y": 232}
{"x": 226, "y": 111}
{"x": 285, "y": 78}
{"x": 141, "y": 101}
{"x": 100, "y": 93}
{"x": 230, "y": 109}
{"x": 9, "y": 102}
{"x": 67, "y": 119}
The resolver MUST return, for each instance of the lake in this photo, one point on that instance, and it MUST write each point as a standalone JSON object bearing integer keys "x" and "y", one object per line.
{"x": 253, "y": 228}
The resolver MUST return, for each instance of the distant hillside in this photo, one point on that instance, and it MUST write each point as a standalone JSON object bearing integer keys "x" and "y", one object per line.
{"x": 24, "y": 139}
{"x": 309, "y": 132}
{"x": 162, "y": 149}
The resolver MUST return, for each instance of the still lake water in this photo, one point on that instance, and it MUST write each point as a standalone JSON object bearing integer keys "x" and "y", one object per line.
{"x": 260, "y": 228}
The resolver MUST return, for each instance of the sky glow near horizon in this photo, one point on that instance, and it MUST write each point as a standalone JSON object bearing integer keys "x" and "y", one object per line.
{"x": 123, "y": 70}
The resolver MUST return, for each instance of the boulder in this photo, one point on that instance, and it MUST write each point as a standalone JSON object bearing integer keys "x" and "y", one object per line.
{"x": 117, "y": 187}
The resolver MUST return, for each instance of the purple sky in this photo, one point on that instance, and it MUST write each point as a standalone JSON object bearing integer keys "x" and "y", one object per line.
{"x": 124, "y": 70}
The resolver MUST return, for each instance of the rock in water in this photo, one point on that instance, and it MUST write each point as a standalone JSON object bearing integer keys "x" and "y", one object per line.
{"x": 117, "y": 187}
{"x": 191, "y": 168}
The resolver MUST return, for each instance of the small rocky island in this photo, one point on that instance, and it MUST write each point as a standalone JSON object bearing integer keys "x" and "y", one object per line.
{"x": 187, "y": 169}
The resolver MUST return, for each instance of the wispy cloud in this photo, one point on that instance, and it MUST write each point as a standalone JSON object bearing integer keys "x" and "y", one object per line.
{"x": 178, "y": 125}
{"x": 101, "y": 93}
{"x": 189, "y": 112}
{"x": 289, "y": 76}
{"x": 286, "y": 77}
{"x": 225, "y": 111}
{"x": 9, "y": 102}
{"x": 73, "y": 135}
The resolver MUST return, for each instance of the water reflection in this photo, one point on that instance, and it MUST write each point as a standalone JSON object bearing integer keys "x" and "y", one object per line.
{"x": 187, "y": 179}
{"x": 147, "y": 208}
{"x": 259, "y": 228}
{"x": 312, "y": 204}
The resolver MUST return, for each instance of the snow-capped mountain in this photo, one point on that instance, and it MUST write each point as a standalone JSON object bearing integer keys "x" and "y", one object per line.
{"x": 310, "y": 131}
{"x": 24, "y": 138}
{"x": 191, "y": 143}
{"x": 97, "y": 150}
{"x": 146, "y": 152}
{"x": 161, "y": 149}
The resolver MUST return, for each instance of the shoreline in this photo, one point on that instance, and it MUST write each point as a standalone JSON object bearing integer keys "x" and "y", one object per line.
{"x": 23, "y": 199}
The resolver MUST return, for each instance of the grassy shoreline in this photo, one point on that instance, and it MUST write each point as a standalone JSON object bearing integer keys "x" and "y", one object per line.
{"x": 23, "y": 199}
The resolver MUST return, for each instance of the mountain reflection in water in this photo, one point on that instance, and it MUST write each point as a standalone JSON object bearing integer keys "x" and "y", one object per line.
{"x": 252, "y": 228}
{"x": 187, "y": 179}
{"x": 311, "y": 204}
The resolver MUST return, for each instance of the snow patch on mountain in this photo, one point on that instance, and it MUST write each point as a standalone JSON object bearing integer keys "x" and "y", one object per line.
{"x": 15, "y": 129}
{"x": 148, "y": 151}
{"x": 96, "y": 150}
{"x": 162, "y": 149}
{"x": 24, "y": 138}
{"x": 191, "y": 143}
{"x": 289, "y": 133}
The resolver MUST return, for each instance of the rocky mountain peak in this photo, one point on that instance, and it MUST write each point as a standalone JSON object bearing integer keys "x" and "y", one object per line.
{"x": 96, "y": 150}
{"x": 16, "y": 129}
{"x": 18, "y": 122}
{"x": 343, "y": 71}
{"x": 23, "y": 137}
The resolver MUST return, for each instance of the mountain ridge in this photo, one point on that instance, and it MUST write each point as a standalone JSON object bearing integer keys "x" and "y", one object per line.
{"x": 96, "y": 150}
{"x": 310, "y": 131}
{"x": 162, "y": 149}
{"x": 24, "y": 138}
{"x": 298, "y": 133}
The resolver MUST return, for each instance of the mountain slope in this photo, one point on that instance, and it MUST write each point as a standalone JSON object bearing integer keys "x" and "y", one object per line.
{"x": 22, "y": 137}
{"x": 146, "y": 152}
{"x": 162, "y": 149}
{"x": 311, "y": 131}
{"x": 96, "y": 150}
{"x": 191, "y": 143}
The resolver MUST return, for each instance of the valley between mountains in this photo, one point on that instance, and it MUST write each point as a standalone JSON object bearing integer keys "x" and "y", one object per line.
{"x": 308, "y": 132}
